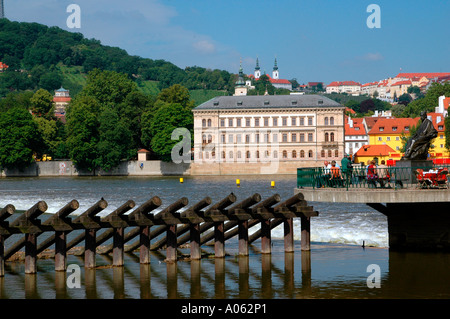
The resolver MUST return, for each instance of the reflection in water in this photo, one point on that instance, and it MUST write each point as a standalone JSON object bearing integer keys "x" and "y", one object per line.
{"x": 327, "y": 271}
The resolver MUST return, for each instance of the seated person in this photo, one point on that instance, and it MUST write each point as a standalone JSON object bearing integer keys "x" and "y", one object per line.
{"x": 372, "y": 174}
{"x": 383, "y": 174}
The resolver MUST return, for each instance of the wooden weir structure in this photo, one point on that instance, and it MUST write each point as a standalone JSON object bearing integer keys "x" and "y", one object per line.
{"x": 227, "y": 217}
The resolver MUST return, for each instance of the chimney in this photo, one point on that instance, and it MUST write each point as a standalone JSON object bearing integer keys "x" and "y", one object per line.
{"x": 350, "y": 121}
{"x": 441, "y": 104}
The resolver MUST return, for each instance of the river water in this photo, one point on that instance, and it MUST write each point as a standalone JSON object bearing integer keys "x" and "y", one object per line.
{"x": 336, "y": 267}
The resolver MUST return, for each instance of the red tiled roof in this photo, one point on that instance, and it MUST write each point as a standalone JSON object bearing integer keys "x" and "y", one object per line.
{"x": 61, "y": 99}
{"x": 357, "y": 129}
{"x": 143, "y": 150}
{"x": 347, "y": 109}
{"x": 277, "y": 81}
{"x": 427, "y": 75}
{"x": 3, "y": 66}
{"x": 346, "y": 83}
{"x": 392, "y": 125}
{"x": 405, "y": 82}
{"x": 436, "y": 124}
{"x": 375, "y": 150}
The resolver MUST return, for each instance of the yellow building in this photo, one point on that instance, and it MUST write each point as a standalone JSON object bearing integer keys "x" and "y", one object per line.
{"x": 388, "y": 131}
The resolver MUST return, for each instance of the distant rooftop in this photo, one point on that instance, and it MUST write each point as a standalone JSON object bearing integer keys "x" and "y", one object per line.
{"x": 267, "y": 101}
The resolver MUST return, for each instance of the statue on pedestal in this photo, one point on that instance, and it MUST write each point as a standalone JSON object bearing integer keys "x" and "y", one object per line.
{"x": 418, "y": 144}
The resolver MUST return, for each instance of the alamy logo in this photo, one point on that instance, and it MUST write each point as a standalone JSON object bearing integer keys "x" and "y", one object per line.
{"x": 74, "y": 279}
{"x": 374, "y": 279}
{"x": 374, "y": 20}
{"x": 74, "y": 19}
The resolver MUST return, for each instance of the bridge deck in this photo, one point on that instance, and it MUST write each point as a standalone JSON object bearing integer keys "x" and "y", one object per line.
{"x": 363, "y": 195}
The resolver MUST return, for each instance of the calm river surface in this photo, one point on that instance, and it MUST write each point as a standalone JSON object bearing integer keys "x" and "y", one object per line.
{"x": 336, "y": 267}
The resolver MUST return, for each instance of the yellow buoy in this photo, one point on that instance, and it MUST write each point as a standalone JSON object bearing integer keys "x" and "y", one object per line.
{"x": 238, "y": 182}
{"x": 181, "y": 180}
{"x": 272, "y": 184}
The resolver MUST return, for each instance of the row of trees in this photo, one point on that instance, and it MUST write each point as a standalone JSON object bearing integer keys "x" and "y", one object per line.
{"x": 108, "y": 121}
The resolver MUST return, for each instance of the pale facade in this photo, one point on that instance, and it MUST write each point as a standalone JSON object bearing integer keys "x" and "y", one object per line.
{"x": 266, "y": 134}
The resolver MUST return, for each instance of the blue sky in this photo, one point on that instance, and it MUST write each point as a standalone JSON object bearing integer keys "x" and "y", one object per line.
{"x": 316, "y": 40}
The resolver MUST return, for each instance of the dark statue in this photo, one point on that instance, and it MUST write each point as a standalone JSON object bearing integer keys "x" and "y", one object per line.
{"x": 418, "y": 144}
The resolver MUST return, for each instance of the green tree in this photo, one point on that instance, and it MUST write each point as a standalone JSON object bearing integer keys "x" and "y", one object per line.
{"x": 114, "y": 141}
{"x": 447, "y": 133}
{"x": 82, "y": 131}
{"x": 429, "y": 101}
{"x": 19, "y": 138}
{"x": 166, "y": 119}
{"x": 42, "y": 104}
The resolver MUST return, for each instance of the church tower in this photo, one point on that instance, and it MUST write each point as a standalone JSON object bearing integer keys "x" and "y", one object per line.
{"x": 275, "y": 74}
{"x": 257, "y": 69}
{"x": 240, "y": 87}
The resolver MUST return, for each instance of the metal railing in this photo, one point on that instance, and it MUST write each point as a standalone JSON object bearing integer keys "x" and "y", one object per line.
{"x": 389, "y": 177}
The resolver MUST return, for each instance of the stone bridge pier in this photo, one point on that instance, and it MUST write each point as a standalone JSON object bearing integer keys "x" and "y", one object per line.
{"x": 418, "y": 219}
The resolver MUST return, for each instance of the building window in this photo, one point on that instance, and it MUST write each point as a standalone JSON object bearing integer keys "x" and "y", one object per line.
{"x": 284, "y": 154}
{"x": 209, "y": 138}
{"x": 302, "y": 153}
{"x": 209, "y": 122}
{"x": 247, "y": 122}
{"x": 275, "y": 121}
{"x": 230, "y": 138}
{"x": 275, "y": 154}
{"x": 322, "y": 153}
{"x": 380, "y": 138}
{"x": 239, "y": 155}
{"x": 331, "y": 120}
{"x": 388, "y": 138}
{"x": 266, "y": 121}
{"x": 266, "y": 138}
{"x": 204, "y": 123}
{"x": 248, "y": 154}
{"x": 256, "y": 138}
{"x": 302, "y": 121}
{"x": 230, "y": 122}
{"x": 204, "y": 139}
{"x": 302, "y": 137}
{"x": 284, "y": 137}
{"x": 294, "y": 121}
{"x": 310, "y": 137}
{"x": 310, "y": 121}
{"x": 397, "y": 138}
{"x": 247, "y": 138}
{"x": 326, "y": 137}
{"x": 394, "y": 128}
{"x": 294, "y": 154}
{"x": 336, "y": 153}
{"x": 238, "y": 122}
{"x": 230, "y": 154}
{"x": 440, "y": 127}
{"x": 441, "y": 136}
{"x": 331, "y": 137}
{"x": 326, "y": 120}
{"x": 238, "y": 138}
{"x": 329, "y": 153}
{"x": 310, "y": 154}
{"x": 294, "y": 137}
{"x": 223, "y": 154}
{"x": 222, "y": 138}
{"x": 256, "y": 121}
{"x": 406, "y": 128}
{"x": 257, "y": 154}
{"x": 222, "y": 122}
{"x": 275, "y": 138}
{"x": 284, "y": 121}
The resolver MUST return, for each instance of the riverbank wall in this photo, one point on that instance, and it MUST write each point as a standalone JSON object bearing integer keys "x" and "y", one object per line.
{"x": 129, "y": 168}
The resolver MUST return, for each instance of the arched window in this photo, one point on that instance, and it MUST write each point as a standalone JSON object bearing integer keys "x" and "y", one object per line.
{"x": 322, "y": 153}
{"x": 326, "y": 121}
{"x": 331, "y": 137}
{"x": 257, "y": 154}
{"x": 294, "y": 154}
{"x": 223, "y": 154}
{"x": 329, "y": 153}
{"x": 302, "y": 153}
{"x": 204, "y": 123}
{"x": 331, "y": 120}
{"x": 209, "y": 122}
{"x": 310, "y": 154}
{"x": 284, "y": 154}
{"x": 336, "y": 153}
{"x": 326, "y": 137}
{"x": 209, "y": 138}
{"x": 239, "y": 155}
{"x": 275, "y": 154}
{"x": 248, "y": 154}
{"x": 204, "y": 139}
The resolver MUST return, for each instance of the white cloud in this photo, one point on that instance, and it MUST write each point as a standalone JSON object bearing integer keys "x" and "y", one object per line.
{"x": 372, "y": 57}
{"x": 204, "y": 46}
